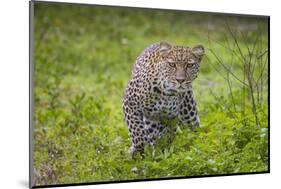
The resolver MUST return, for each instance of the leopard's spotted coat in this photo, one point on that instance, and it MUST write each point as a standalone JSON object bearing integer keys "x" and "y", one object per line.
{"x": 160, "y": 90}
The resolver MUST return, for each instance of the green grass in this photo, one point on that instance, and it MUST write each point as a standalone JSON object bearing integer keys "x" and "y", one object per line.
{"x": 82, "y": 64}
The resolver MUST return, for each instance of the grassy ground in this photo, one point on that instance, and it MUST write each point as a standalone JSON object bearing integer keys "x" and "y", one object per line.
{"x": 83, "y": 59}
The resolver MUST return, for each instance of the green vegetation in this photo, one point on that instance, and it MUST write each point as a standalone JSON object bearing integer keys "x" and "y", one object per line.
{"x": 82, "y": 63}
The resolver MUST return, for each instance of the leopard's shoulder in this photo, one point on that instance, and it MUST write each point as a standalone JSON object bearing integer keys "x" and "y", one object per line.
{"x": 147, "y": 56}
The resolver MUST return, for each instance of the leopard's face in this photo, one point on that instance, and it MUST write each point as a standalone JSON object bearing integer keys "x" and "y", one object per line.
{"x": 179, "y": 67}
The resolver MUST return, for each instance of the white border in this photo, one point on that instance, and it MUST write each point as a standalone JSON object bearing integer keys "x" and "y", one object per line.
{"x": 14, "y": 108}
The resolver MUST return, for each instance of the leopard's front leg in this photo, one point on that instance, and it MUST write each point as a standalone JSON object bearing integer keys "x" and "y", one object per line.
{"x": 188, "y": 111}
{"x": 155, "y": 130}
{"x": 135, "y": 124}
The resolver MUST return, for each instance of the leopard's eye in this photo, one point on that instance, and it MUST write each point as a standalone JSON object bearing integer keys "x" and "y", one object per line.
{"x": 172, "y": 64}
{"x": 189, "y": 65}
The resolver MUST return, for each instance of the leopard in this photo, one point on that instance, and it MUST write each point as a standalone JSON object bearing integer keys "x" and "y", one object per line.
{"x": 160, "y": 91}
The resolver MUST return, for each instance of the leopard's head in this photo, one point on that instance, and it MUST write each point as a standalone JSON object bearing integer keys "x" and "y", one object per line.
{"x": 178, "y": 67}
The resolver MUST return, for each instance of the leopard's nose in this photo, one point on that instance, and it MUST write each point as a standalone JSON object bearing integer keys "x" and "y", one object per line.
{"x": 180, "y": 79}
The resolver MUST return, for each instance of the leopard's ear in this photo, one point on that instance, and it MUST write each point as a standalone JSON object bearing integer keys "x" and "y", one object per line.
{"x": 164, "y": 48}
{"x": 198, "y": 51}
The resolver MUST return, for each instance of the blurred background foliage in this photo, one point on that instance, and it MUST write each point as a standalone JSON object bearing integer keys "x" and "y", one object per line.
{"x": 82, "y": 62}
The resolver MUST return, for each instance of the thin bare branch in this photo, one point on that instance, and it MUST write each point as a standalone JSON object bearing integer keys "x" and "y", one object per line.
{"x": 225, "y": 67}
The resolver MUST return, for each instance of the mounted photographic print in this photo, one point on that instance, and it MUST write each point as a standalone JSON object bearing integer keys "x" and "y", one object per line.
{"x": 122, "y": 94}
